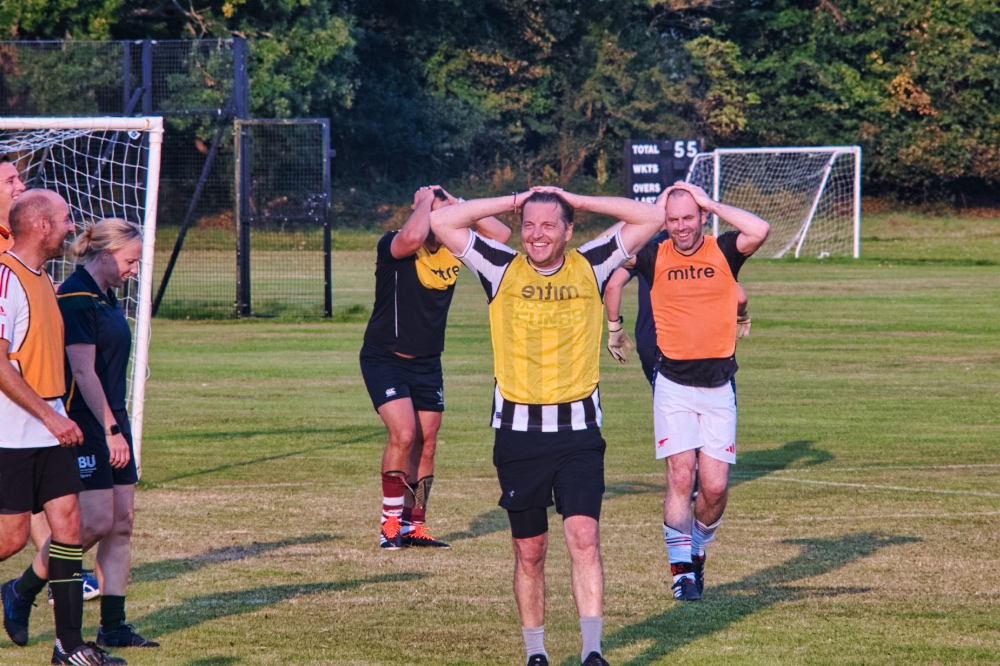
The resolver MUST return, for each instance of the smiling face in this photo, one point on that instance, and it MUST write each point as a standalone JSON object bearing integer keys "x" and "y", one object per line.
{"x": 544, "y": 233}
{"x": 685, "y": 222}
{"x": 59, "y": 225}
{"x": 122, "y": 264}
{"x": 10, "y": 189}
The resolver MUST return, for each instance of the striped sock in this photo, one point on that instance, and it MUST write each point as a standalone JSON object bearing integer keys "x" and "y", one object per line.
{"x": 393, "y": 490}
{"x": 702, "y": 535}
{"x": 66, "y": 581}
{"x": 679, "y": 553}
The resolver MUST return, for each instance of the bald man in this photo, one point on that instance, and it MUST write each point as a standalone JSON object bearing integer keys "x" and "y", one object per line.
{"x": 694, "y": 296}
{"x": 38, "y": 469}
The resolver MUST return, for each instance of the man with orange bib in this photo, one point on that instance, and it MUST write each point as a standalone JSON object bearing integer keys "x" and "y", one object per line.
{"x": 694, "y": 295}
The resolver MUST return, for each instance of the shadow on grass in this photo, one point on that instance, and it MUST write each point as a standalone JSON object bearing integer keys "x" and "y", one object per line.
{"x": 727, "y": 604}
{"x": 168, "y": 569}
{"x": 751, "y": 466}
{"x": 485, "y": 523}
{"x": 364, "y": 435}
{"x": 197, "y": 610}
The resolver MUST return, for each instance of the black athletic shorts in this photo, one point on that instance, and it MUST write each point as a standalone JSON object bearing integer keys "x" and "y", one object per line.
{"x": 31, "y": 477}
{"x": 532, "y": 467}
{"x": 93, "y": 457}
{"x": 390, "y": 377}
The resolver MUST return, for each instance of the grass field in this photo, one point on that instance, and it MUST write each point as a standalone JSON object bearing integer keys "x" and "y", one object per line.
{"x": 863, "y": 525}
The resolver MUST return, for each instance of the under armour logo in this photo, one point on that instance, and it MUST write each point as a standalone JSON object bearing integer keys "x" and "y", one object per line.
{"x": 511, "y": 493}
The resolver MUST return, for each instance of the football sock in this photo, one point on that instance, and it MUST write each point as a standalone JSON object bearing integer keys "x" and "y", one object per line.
{"x": 534, "y": 640}
{"x": 29, "y": 584}
{"x": 66, "y": 581}
{"x": 679, "y": 553}
{"x": 702, "y": 535}
{"x": 421, "y": 493}
{"x": 393, "y": 490}
{"x": 112, "y": 612}
{"x": 591, "y": 629}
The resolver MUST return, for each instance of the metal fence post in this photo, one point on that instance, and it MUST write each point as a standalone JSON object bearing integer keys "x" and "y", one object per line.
{"x": 241, "y": 100}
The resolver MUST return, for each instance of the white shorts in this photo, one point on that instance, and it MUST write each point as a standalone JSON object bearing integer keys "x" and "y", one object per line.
{"x": 692, "y": 417}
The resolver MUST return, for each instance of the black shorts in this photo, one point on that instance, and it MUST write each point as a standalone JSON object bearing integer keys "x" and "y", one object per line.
{"x": 390, "y": 377}
{"x": 93, "y": 457}
{"x": 29, "y": 478}
{"x": 532, "y": 467}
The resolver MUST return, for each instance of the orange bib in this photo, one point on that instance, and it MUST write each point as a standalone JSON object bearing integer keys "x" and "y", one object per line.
{"x": 41, "y": 354}
{"x": 694, "y": 301}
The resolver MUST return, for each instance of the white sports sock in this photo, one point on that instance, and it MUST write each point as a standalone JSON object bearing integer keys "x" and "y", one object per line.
{"x": 534, "y": 641}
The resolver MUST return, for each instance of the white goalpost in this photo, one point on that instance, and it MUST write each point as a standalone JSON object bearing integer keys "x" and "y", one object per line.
{"x": 103, "y": 167}
{"x": 811, "y": 196}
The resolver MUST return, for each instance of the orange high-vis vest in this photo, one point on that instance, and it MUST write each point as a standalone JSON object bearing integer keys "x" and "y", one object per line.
{"x": 694, "y": 301}
{"x": 41, "y": 356}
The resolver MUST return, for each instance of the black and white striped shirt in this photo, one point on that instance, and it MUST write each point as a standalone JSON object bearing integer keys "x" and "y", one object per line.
{"x": 488, "y": 260}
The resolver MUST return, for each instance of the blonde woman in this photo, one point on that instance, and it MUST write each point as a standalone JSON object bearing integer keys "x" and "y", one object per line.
{"x": 98, "y": 344}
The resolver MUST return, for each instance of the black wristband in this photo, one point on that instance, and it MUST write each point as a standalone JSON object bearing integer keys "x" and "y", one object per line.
{"x": 113, "y": 430}
{"x": 620, "y": 320}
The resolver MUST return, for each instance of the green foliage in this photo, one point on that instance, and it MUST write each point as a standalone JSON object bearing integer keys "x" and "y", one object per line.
{"x": 65, "y": 81}
{"x": 519, "y": 91}
{"x": 64, "y": 19}
{"x": 917, "y": 83}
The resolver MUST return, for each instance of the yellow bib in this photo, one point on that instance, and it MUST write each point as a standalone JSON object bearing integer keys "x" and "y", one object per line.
{"x": 437, "y": 270}
{"x": 547, "y": 332}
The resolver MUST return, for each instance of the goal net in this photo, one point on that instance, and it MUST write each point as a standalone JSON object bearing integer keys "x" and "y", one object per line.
{"x": 810, "y": 196}
{"x": 103, "y": 167}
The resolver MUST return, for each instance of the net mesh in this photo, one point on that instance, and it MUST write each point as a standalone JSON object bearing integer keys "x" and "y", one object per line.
{"x": 807, "y": 196}
{"x": 100, "y": 174}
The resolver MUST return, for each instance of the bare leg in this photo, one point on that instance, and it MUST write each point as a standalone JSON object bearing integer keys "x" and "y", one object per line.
{"x": 680, "y": 482}
{"x": 40, "y": 531}
{"x": 583, "y": 539}
{"x": 529, "y": 579}
{"x": 14, "y": 530}
{"x": 400, "y": 421}
{"x": 114, "y": 553}
{"x": 713, "y": 493}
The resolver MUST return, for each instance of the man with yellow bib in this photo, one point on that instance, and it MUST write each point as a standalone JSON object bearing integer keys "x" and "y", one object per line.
{"x": 546, "y": 319}
{"x": 401, "y": 362}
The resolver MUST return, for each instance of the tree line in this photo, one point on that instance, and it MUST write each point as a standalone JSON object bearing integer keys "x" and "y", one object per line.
{"x": 514, "y": 91}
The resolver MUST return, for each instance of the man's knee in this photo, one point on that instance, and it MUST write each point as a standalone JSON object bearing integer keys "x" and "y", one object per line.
{"x": 680, "y": 475}
{"x": 713, "y": 489}
{"x": 63, "y": 515}
{"x": 582, "y": 537}
{"x": 12, "y": 541}
{"x": 93, "y": 528}
{"x": 401, "y": 437}
{"x": 530, "y": 553}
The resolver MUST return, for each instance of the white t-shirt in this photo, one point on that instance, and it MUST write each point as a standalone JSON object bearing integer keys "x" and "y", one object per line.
{"x": 18, "y": 428}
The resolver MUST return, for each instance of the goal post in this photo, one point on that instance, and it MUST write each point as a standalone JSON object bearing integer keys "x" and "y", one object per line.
{"x": 104, "y": 167}
{"x": 811, "y": 196}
